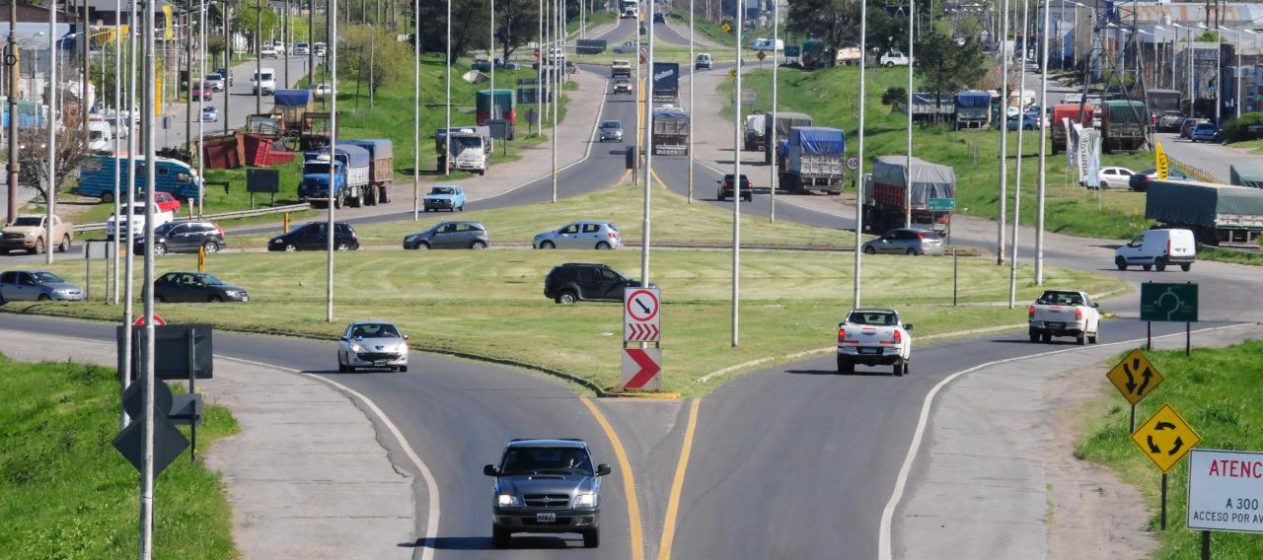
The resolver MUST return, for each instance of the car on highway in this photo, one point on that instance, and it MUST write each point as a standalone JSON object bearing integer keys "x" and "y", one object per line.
{"x": 444, "y": 197}
{"x": 372, "y": 344}
{"x": 184, "y": 237}
{"x": 36, "y": 285}
{"x": 1064, "y": 313}
{"x": 30, "y": 233}
{"x": 1170, "y": 120}
{"x": 583, "y": 234}
{"x": 659, "y": 17}
{"x": 216, "y": 81}
{"x": 626, "y": 47}
{"x": 1186, "y": 128}
{"x": 1114, "y": 177}
{"x": 301, "y": 49}
{"x": 162, "y": 201}
{"x": 314, "y": 236}
{"x": 906, "y": 241}
{"x": 226, "y": 73}
{"x": 1157, "y": 248}
{"x": 725, "y": 188}
{"x": 210, "y": 114}
{"x": 1205, "y": 132}
{"x": 572, "y": 282}
{"x": 874, "y": 337}
{"x": 610, "y": 131}
{"x": 703, "y": 62}
{"x": 449, "y": 235}
{"x": 1139, "y": 182}
{"x": 267, "y": 51}
{"x": 196, "y": 287}
{"x": 201, "y": 91}
{"x": 622, "y": 85}
{"x": 263, "y": 81}
{"x": 320, "y": 49}
{"x": 546, "y": 486}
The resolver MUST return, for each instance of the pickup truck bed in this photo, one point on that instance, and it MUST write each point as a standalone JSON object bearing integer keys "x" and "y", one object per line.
{"x": 1063, "y": 313}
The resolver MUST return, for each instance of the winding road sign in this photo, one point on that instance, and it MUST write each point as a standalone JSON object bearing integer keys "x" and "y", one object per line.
{"x": 641, "y": 315}
{"x": 1168, "y": 302}
{"x": 641, "y": 367}
{"x": 1135, "y": 377}
{"x": 1165, "y": 438}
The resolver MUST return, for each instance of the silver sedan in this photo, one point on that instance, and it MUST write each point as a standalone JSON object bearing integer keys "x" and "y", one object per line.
{"x": 22, "y": 285}
{"x": 906, "y": 241}
{"x": 372, "y": 344}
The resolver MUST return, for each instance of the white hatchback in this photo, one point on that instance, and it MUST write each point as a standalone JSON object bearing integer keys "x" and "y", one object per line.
{"x": 372, "y": 344}
{"x": 1115, "y": 177}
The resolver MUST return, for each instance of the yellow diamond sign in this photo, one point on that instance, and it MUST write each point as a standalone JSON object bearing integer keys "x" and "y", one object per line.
{"x": 1165, "y": 438}
{"x": 1134, "y": 377}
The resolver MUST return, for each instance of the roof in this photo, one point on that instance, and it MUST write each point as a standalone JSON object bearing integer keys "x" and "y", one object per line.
{"x": 369, "y": 321}
{"x": 873, "y": 310}
{"x": 547, "y": 442}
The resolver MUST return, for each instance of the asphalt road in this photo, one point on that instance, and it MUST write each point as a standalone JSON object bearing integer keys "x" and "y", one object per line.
{"x": 239, "y": 99}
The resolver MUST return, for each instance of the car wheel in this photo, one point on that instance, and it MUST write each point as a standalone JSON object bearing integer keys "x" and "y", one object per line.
{"x": 478, "y": 245}
{"x": 890, "y": 65}
{"x": 1146, "y": 267}
{"x": 65, "y": 244}
{"x": 44, "y": 297}
{"x": 748, "y": 198}
{"x": 1186, "y": 266}
{"x": 602, "y": 246}
{"x": 461, "y": 208}
{"x": 547, "y": 245}
{"x": 1121, "y": 263}
{"x": 1160, "y": 264}
{"x": 215, "y": 298}
{"x": 159, "y": 249}
{"x": 1034, "y": 336}
{"x": 290, "y": 248}
{"x": 210, "y": 247}
{"x": 423, "y": 246}
{"x": 567, "y": 298}
{"x": 342, "y": 246}
{"x": 591, "y": 538}
{"x": 500, "y": 537}
{"x": 912, "y": 252}
{"x": 1104, "y": 185}
{"x": 897, "y": 369}
{"x": 1096, "y": 336}
{"x": 845, "y": 367}
{"x": 39, "y": 246}
{"x": 1081, "y": 339}
{"x": 341, "y": 366}
{"x": 869, "y": 250}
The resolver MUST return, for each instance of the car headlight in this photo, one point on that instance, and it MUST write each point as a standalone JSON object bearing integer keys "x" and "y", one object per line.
{"x": 585, "y": 499}
{"x": 506, "y": 500}
{"x": 356, "y": 347}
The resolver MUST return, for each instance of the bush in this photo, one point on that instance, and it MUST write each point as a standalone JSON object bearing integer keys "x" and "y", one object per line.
{"x": 1238, "y": 130}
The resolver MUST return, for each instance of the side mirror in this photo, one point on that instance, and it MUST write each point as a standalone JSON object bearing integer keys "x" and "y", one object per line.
{"x": 603, "y": 469}
{"x": 1096, "y": 306}
{"x": 908, "y": 327}
{"x": 490, "y": 470}
{"x": 405, "y": 337}
{"x": 343, "y": 338}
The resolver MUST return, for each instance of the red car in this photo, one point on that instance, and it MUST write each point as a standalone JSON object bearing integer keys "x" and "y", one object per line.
{"x": 202, "y": 90}
{"x": 164, "y": 202}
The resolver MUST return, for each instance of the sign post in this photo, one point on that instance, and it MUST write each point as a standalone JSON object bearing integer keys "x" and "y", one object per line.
{"x": 1169, "y": 302}
{"x": 1165, "y": 438}
{"x": 642, "y": 321}
{"x": 1135, "y": 377}
{"x": 1224, "y": 489}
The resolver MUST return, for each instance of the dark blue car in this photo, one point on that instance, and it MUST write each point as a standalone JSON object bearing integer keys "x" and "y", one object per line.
{"x": 1205, "y": 132}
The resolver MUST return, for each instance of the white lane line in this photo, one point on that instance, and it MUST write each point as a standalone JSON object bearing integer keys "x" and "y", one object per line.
{"x": 431, "y": 486}
{"x": 884, "y": 551}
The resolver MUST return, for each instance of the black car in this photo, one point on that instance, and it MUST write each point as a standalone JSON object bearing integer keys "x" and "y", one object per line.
{"x": 314, "y": 236}
{"x": 573, "y": 282}
{"x": 1139, "y": 182}
{"x": 184, "y": 237}
{"x": 195, "y": 287}
{"x": 546, "y": 486}
{"x": 725, "y": 188}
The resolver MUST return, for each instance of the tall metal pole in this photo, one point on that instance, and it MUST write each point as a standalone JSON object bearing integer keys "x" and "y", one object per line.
{"x": 228, "y": 58}
{"x": 648, "y": 178}
{"x": 129, "y": 261}
{"x": 289, "y": 44}
{"x": 118, "y": 125}
{"x": 692, "y": 80}
{"x": 13, "y": 166}
{"x": 311, "y": 43}
{"x": 333, "y": 157}
{"x": 1004, "y": 129}
{"x": 539, "y": 73}
{"x": 491, "y": 59}
{"x": 736, "y": 186}
{"x": 1219, "y": 87}
{"x": 859, "y": 171}
{"x": 772, "y": 179}
{"x": 149, "y": 106}
{"x": 447, "y": 81}
{"x": 201, "y": 106}
{"x": 186, "y": 36}
{"x": 50, "y": 194}
{"x": 258, "y": 57}
{"x": 83, "y": 98}
{"x": 416, "y": 111}
{"x": 1043, "y": 163}
{"x": 907, "y": 191}
{"x": 554, "y": 68}
{"x": 1017, "y": 181}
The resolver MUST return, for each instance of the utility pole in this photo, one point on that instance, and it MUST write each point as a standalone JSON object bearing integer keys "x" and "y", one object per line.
{"x": 776, "y": 10}
{"x": 148, "y": 106}
{"x": 118, "y": 170}
{"x": 289, "y": 44}
{"x": 447, "y": 80}
{"x": 648, "y": 139}
{"x": 201, "y": 106}
{"x": 258, "y": 58}
{"x": 907, "y": 191}
{"x": 129, "y": 260}
{"x": 228, "y": 58}
{"x": 1004, "y": 129}
{"x": 692, "y": 72}
{"x": 14, "y": 166}
{"x": 416, "y": 111}
{"x": 83, "y": 97}
{"x": 736, "y": 186}
{"x": 311, "y": 43}
{"x": 50, "y": 192}
{"x": 859, "y": 171}
{"x": 187, "y": 37}
{"x": 332, "y": 53}
{"x": 1043, "y": 162}
{"x": 555, "y": 66}
{"x": 1017, "y": 180}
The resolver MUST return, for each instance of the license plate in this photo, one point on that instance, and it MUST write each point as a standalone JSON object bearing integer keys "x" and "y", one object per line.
{"x": 870, "y": 350}
{"x": 245, "y": 299}
{"x": 545, "y": 517}
{"x": 1053, "y": 325}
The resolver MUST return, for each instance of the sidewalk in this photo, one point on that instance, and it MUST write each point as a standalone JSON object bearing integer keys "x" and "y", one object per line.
{"x": 306, "y": 476}
{"x": 996, "y": 476}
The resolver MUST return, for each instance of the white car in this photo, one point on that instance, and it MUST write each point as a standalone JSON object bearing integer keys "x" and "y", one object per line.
{"x": 265, "y": 80}
{"x": 372, "y": 344}
{"x": 874, "y": 337}
{"x": 1064, "y": 313}
{"x": 267, "y": 51}
{"x": 583, "y": 234}
{"x": 894, "y": 58}
{"x": 137, "y": 224}
{"x": 1157, "y": 248}
{"x": 1115, "y": 177}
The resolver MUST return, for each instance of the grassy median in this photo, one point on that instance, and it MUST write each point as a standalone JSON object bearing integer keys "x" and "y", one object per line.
{"x": 65, "y": 492}
{"x": 1215, "y": 390}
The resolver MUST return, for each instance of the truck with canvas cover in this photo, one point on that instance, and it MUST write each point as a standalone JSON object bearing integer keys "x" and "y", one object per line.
{"x": 784, "y": 121}
{"x": 670, "y": 132}
{"x": 928, "y": 107}
{"x": 817, "y": 54}
{"x": 973, "y": 110}
{"x": 885, "y": 191}
{"x": 1158, "y": 101}
{"x": 811, "y": 159}
{"x": 666, "y": 82}
{"x": 1217, "y": 214}
{"x": 1061, "y": 113}
{"x": 1246, "y": 174}
{"x": 753, "y": 137}
{"x": 292, "y": 104}
{"x": 381, "y": 174}
{"x": 352, "y": 191}
{"x": 1123, "y": 125}
{"x": 499, "y": 104}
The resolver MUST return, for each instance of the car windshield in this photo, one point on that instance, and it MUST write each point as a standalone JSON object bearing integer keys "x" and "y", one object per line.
{"x": 877, "y": 318}
{"x": 28, "y": 221}
{"x": 535, "y": 460}
{"x": 443, "y": 190}
{"x": 210, "y": 280}
{"x": 46, "y": 278}
{"x": 611, "y": 124}
{"x": 311, "y": 168}
{"x": 375, "y": 330}
{"x": 1060, "y": 298}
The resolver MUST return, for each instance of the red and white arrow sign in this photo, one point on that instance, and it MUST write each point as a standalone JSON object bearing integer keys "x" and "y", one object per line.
{"x": 642, "y": 332}
{"x": 642, "y": 317}
{"x": 641, "y": 367}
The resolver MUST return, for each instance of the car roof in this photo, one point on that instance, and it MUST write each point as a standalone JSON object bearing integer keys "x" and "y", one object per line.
{"x": 470, "y": 222}
{"x": 369, "y": 322}
{"x": 549, "y": 442}
{"x": 873, "y": 310}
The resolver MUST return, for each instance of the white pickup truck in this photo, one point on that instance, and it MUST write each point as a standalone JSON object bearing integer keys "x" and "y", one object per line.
{"x": 894, "y": 58}
{"x": 138, "y": 222}
{"x": 1065, "y": 313}
{"x": 874, "y": 337}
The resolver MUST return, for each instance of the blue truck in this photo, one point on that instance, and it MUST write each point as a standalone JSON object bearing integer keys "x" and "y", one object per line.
{"x": 96, "y": 177}
{"x": 973, "y": 110}
{"x": 810, "y": 157}
{"x": 350, "y": 172}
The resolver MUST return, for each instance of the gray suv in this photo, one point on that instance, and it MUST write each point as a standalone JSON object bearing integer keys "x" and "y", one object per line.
{"x": 546, "y": 486}
{"x": 906, "y": 241}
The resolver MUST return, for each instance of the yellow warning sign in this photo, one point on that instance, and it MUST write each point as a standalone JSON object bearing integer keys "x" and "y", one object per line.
{"x": 732, "y": 72}
{"x": 727, "y": 27}
{"x": 1165, "y": 438}
{"x": 1135, "y": 377}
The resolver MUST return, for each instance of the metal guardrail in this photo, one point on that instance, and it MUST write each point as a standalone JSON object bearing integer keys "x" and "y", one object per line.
{"x": 218, "y": 216}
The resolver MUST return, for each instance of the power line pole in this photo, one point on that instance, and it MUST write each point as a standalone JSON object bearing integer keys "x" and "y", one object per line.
{"x": 736, "y": 187}
{"x": 648, "y": 178}
{"x": 50, "y": 192}
{"x": 416, "y": 111}
{"x": 333, "y": 155}
{"x": 258, "y": 57}
{"x": 692, "y": 115}
{"x": 772, "y": 180}
{"x": 13, "y": 166}
{"x": 859, "y": 170}
{"x": 1043, "y": 161}
{"x": 1004, "y": 130}
{"x": 907, "y": 191}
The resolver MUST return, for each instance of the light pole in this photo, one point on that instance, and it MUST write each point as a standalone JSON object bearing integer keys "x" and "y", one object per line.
{"x": 775, "y": 91}
{"x": 1043, "y": 162}
{"x": 736, "y": 185}
{"x": 491, "y": 59}
{"x": 1004, "y": 129}
{"x": 258, "y": 57}
{"x": 201, "y": 106}
{"x": 859, "y": 171}
{"x": 332, "y": 11}
{"x": 50, "y": 192}
{"x": 447, "y": 81}
{"x": 1017, "y": 173}
{"x": 648, "y": 178}
{"x": 692, "y": 115}
{"x": 907, "y": 191}
{"x": 416, "y": 111}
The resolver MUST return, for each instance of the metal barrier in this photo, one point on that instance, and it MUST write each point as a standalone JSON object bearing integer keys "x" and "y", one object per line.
{"x": 220, "y": 216}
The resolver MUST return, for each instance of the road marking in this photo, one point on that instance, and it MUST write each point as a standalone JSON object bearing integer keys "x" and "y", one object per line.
{"x": 629, "y": 481}
{"x": 677, "y": 485}
{"x": 896, "y": 495}
{"x": 655, "y": 176}
{"x": 431, "y": 486}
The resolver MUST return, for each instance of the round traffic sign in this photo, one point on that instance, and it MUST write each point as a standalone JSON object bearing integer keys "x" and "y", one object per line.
{"x": 852, "y": 163}
{"x": 158, "y": 321}
{"x": 642, "y": 305}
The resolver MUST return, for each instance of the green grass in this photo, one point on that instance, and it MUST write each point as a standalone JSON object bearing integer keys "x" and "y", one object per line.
{"x": 1230, "y": 256}
{"x": 66, "y": 493}
{"x": 831, "y": 97}
{"x": 705, "y": 28}
{"x": 1215, "y": 391}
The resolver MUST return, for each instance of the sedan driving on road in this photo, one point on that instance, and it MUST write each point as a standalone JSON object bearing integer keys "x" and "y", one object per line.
{"x": 725, "y": 188}
{"x": 1205, "y": 132}
{"x": 610, "y": 131}
{"x": 622, "y": 85}
{"x": 546, "y": 486}
{"x": 313, "y": 236}
{"x": 372, "y": 344}
{"x": 37, "y": 285}
{"x": 196, "y": 287}
{"x": 906, "y": 241}
{"x": 210, "y": 114}
{"x": 184, "y": 237}
{"x": 1139, "y": 182}
{"x": 449, "y": 235}
{"x": 583, "y": 234}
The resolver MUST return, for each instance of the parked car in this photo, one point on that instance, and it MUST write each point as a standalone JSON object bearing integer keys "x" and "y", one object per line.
{"x": 445, "y": 197}
{"x": 894, "y": 58}
{"x": 449, "y": 235}
{"x": 321, "y": 89}
{"x": 29, "y": 233}
{"x": 546, "y": 486}
{"x": 1205, "y": 132}
{"x": 184, "y": 237}
{"x": 622, "y": 85}
{"x": 36, "y": 285}
{"x": 1170, "y": 120}
{"x": 314, "y": 236}
{"x": 906, "y": 241}
{"x": 136, "y": 226}
{"x": 583, "y": 234}
{"x": 610, "y": 131}
{"x": 216, "y": 81}
{"x": 210, "y": 113}
{"x": 1186, "y": 128}
{"x": 175, "y": 287}
{"x": 573, "y": 282}
{"x": 1140, "y": 181}
{"x": 725, "y": 188}
{"x": 372, "y": 344}
{"x": 1028, "y": 122}
{"x": 625, "y": 47}
{"x": 1114, "y": 177}
{"x": 703, "y": 62}
{"x": 1157, "y": 248}
{"x": 874, "y": 337}
{"x": 162, "y": 201}
{"x": 1064, "y": 313}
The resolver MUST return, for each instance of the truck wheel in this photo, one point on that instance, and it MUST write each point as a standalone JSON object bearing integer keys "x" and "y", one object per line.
{"x": 1095, "y": 336}
{"x": 499, "y": 537}
{"x": 107, "y": 197}
{"x": 1146, "y": 267}
{"x": 1186, "y": 266}
{"x": 1034, "y": 336}
{"x": 1046, "y": 337}
{"x": 1081, "y": 339}
{"x": 342, "y": 246}
{"x": 897, "y": 369}
{"x": 890, "y": 65}
{"x": 39, "y": 247}
{"x": 65, "y": 244}
{"x": 845, "y": 367}
{"x": 383, "y": 195}
{"x": 337, "y": 202}
{"x": 591, "y": 538}
{"x": 477, "y": 245}
{"x": 482, "y": 172}
{"x": 371, "y": 198}
{"x": 1160, "y": 264}
{"x": 210, "y": 247}
{"x": 1121, "y": 263}
{"x": 911, "y": 252}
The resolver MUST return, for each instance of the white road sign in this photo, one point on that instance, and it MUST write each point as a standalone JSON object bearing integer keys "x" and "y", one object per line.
{"x": 1225, "y": 491}
{"x": 641, "y": 317}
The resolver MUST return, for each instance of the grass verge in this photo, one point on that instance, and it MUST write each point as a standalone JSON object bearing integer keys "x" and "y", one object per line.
{"x": 1214, "y": 390}
{"x": 65, "y": 492}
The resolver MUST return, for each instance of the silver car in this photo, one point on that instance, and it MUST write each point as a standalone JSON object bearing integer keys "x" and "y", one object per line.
{"x": 906, "y": 241}
{"x": 610, "y": 131}
{"x": 450, "y": 235}
{"x": 25, "y": 285}
{"x": 372, "y": 344}
{"x": 583, "y": 234}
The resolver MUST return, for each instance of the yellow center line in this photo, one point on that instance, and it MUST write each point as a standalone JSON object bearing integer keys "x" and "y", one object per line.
{"x": 653, "y": 173}
{"x": 629, "y": 481}
{"x": 677, "y": 485}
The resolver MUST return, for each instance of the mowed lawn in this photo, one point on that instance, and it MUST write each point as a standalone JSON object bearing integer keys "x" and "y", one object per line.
{"x": 491, "y": 304}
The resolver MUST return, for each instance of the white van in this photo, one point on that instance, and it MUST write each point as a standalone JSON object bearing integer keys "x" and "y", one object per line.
{"x": 265, "y": 80}
{"x": 765, "y": 44}
{"x": 100, "y": 136}
{"x": 1157, "y": 248}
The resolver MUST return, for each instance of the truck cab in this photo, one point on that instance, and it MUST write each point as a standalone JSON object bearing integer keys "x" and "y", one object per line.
{"x": 467, "y": 151}
{"x": 315, "y": 182}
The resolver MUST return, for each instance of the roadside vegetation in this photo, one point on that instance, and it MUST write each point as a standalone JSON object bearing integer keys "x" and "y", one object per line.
{"x": 1215, "y": 391}
{"x": 67, "y": 493}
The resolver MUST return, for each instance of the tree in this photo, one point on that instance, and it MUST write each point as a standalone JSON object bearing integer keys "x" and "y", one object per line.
{"x": 895, "y": 97}
{"x": 364, "y": 51}
{"x": 71, "y": 151}
{"x": 247, "y": 19}
{"x": 945, "y": 67}
{"x": 470, "y": 18}
{"x": 516, "y": 24}
{"x": 837, "y": 22}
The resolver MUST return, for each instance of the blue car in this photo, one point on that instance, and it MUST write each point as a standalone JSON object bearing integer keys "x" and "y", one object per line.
{"x": 1029, "y": 122}
{"x": 1205, "y": 132}
{"x": 445, "y": 197}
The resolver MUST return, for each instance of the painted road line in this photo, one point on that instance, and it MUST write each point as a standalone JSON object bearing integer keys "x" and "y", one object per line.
{"x": 629, "y": 481}
{"x": 431, "y": 486}
{"x": 884, "y": 544}
{"x": 654, "y": 174}
{"x": 677, "y": 485}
